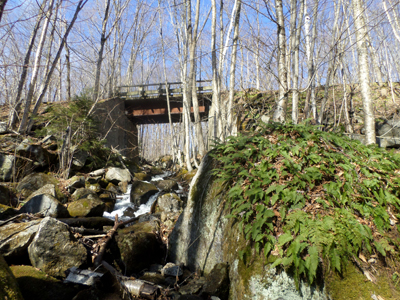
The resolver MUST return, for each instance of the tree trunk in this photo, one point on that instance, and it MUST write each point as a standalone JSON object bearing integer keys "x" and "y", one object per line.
{"x": 280, "y": 110}
{"x": 35, "y": 71}
{"x": 362, "y": 51}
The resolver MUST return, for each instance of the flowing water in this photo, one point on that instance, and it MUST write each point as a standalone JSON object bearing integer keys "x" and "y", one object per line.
{"x": 124, "y": 204}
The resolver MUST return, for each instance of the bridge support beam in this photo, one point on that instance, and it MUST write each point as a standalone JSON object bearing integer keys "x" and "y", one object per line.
{"x": 118, "y": 130}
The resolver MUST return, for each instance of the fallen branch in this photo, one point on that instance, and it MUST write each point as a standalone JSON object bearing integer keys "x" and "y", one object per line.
{"x": 98, "y": 257}
{"x": 84, "y": 231}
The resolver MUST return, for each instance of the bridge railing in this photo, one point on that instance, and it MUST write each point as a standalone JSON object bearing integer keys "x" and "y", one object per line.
{"x": 156, "y": 90}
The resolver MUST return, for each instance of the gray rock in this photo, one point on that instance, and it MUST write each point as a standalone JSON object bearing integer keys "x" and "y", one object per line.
{"x": 83, "y": 193}
{"x": 171, "y": 269}
{"x": 54, "y": 249}
{"x": 169, "y": 203}
{"x": 141, "y": 192}
{"x": 48, "y": 189}
{"x": 3, "y": 127}
{"x": 217, "y": 282}
{"x": 35, "y": 152}
{"x": 16, "y": 237}
{"x": 79, "y": 159}
{"x": 45, "y": 204}
{"x": 35, "y": 181}
{"x": 116, "y": 175}
{"x": 6, "y": 167}
{"x": 168, "y": 185}
{"x": 139, "y": 247}
{"x": 75, "y": 183}
{"x": 86, "y": 208}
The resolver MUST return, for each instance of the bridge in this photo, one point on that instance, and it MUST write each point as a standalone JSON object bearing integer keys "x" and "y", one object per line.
{"x": 147, "y": 103}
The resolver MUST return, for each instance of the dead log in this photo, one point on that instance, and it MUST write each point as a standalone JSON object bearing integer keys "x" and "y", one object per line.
{"x": 90, "y": 222}
{"x": 98, "y": 172}
{"x": 85, "y": 231}
{"x": 102, "y": 244}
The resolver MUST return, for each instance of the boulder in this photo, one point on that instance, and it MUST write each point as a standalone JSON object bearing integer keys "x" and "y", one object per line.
{"x": 168, "y": 185}
{"x": 5, "y": 195}
{"x": 75, "y": 183}
{"x": 48, "y": 189}
{"x": 86, "y": 208}
{"x": 123, "y": 186}
{"x": 142, "y": 191}
{"x": 37, "y": 285}
{"x": 37, "y": 153}
{"x": 8, "y": 284}
{"x": 35, "y": 181}
{"x": 217, "y": 282}
{"x": 95, "y": 187}
{"x": 139, "y": 246}
{"x": 142, "y": 176}
{"x": 54, "y": 249}
{"x": 113, "y": 189}
{"x": 83, "y": 193}
{"x": 16, "y": 237}
{"x": 169, "y": 203}
{"x": 6, "y": 166}
{"x": 45, "y": 204}
{"x": 203, "y": 237}
{"x": 116, "y": 175}
{"x": 79, "y": 159}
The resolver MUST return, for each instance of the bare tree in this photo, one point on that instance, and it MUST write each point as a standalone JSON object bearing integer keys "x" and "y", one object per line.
{"x": 363, "y": 70}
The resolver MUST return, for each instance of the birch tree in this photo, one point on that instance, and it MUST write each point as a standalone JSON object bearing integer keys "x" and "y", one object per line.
{"x": 280, "y": 110}
{"x": 363, "y": 70}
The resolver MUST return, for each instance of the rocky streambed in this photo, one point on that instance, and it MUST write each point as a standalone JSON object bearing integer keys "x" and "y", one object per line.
{"x": 102, "y": 235}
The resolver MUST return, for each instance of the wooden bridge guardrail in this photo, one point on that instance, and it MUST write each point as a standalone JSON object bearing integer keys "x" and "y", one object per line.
{"x": 157, "y": 90}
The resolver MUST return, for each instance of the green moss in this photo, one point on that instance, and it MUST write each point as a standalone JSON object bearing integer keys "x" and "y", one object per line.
{"x": 353, "y": 285}
{"x": 8, "y": 285}
{"x": 37, "y": 285}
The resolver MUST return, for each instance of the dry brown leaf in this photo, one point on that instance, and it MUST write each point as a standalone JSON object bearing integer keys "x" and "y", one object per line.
{"x": 362, "y": 257}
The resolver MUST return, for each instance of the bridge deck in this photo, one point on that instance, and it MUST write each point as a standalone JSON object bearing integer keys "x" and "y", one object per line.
{"x": 147, "y": 104}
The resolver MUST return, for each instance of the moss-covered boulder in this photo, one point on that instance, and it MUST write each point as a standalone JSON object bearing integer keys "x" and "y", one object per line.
{"x": 139, "y": 246}
{"x": 169, "y": 203}
{"x": 86, "y": 208}
{"x": 95, "y": 187}
{"x": 142, "y": 176}
{"x": 142, "y": 191}
{"x": 54, "y": 248}
{"x": 35, "y": 181}
{"x": 9, "y": 289}
{"x": 6, "y": 166}
{"x": 296, "y": 213}
{"x": 37, "y": 285}
{"x": 40, "y": 155}
{"x": 83, "y": 193}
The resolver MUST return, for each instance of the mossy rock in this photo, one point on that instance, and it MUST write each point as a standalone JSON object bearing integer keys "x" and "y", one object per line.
{"x": 35, "y": 181}
{"x": 37, "y": 285}
{"x": 142, "y": 176}
{"x": 95, "y": 187}
{"x": 188, "y": 176}
{"x": 86, "y": 208}
{"x": 84, "y": 193}
{"x": 139, "y": 247}
{"x": 141, "y": 192}
{"x": 9, "y": 288}
{"x": 6, "y": 212}
{"x": 352, "y": 284}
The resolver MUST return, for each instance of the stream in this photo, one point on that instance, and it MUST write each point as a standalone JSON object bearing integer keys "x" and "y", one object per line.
{"x": 126, "y": 210}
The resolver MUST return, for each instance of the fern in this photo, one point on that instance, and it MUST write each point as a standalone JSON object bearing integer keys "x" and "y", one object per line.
{"x": 331, "y": 195}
